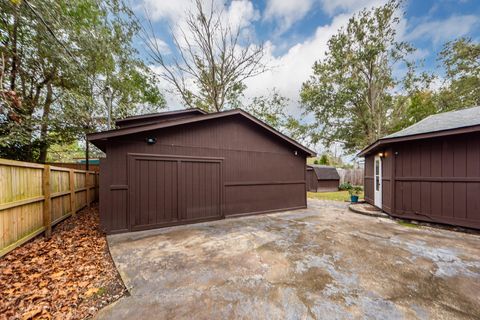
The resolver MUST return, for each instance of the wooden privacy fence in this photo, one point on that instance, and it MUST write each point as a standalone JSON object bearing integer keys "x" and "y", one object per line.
{"x": 354, "y": 176}
{"x": 34, "y": 197}
{"x": 77, "y": 166}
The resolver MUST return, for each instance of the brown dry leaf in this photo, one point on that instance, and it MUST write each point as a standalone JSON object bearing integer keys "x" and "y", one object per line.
{"x": 32, "y": 313}
{"x": 57, "y": 275}
{"x": 35, "y": 275}
{"x": 10, "y": 291}
{"x": 90, "y": 292}
{"x": 7, "y": 271}
{"x": 46, "y": 315}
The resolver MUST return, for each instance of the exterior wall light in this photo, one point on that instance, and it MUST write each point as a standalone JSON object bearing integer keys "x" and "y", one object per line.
{"x": 295, "y": 152}
{"x": 151, "y": 140}
{"x": 380, "y": 154}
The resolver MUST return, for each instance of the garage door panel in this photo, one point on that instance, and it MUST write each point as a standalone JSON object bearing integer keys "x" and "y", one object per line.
{"x": 154, "y": 191}
{"x": 173, "y": 191}
{"x": 201, "y": 190}
{"x": 153, "y": 194}
{"x": 170, "y": 190}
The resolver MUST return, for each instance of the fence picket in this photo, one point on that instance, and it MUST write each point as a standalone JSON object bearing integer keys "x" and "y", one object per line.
{"x": 34, "y": 197}
{"x": 47, "y": 202}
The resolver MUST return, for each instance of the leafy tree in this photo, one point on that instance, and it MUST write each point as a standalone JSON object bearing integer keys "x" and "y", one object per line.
{"x": 65, "y": 152}
{"x": 461, "y": 60}
{"x": 418, "y": 106}
{"x": 272, "y": 109}
{"x": 324, "y": 160}
{"x": 59, "y": 57}
{"x": 351, "y": 90}
{"x": 461, "y": 63}
{"x": 213, "y": 62}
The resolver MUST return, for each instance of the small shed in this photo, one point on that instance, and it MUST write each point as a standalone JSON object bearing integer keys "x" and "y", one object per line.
{"x": 188, "y": 166}
{"x": 322, "y": 178}
{"x": 429, "y": 171}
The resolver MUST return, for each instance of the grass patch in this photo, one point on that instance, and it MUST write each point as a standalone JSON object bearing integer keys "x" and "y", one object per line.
{"x": 336, "y": 195}
{"x": 101, "y": 291}
{"x": 408, "y": 224}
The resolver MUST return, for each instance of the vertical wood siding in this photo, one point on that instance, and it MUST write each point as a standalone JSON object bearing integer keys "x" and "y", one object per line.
{"x": 327, "y": 185}
{"x": 260, "y": 172}
{"x": 435, "y": 179}
{"x": 312, "y": 181}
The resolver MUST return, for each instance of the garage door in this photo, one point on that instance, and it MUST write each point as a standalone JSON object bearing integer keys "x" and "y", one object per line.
{"x": 167, "y": 191}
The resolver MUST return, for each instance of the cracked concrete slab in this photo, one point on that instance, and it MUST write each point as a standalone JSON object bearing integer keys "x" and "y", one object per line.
{"x": 323, "y": 262}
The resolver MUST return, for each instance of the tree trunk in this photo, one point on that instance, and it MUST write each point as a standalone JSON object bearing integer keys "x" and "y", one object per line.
{"x": 87, "y": 154}
{"x": 44, "y": 127}
{"x": 13, "y": 71}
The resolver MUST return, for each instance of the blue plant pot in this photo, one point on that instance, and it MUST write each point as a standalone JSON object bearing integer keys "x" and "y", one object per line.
{"x": 354, "y": 199}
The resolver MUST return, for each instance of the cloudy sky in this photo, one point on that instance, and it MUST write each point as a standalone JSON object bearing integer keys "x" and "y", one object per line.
{"x": 295, "y": 32}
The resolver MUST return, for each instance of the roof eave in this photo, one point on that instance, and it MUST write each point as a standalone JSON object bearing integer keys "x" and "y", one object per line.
{"x": 159, "y": 114}
{"x": 434, "y": 134}
{"x": 105, "y": 135}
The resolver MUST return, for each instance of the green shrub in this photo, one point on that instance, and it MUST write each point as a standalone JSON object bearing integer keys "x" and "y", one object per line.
{"x": 345, "y": 186}
{"x": 355, "y": 191}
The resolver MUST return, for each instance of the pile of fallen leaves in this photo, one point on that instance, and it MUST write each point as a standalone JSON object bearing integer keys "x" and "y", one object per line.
{"x": 69, "y": 276}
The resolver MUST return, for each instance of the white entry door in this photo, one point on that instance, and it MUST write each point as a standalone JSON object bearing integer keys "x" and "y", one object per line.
{"x": 378, "y": 182}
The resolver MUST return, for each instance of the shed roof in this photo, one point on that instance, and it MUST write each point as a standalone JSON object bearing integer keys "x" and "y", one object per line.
{"x": 440, "y": 124}
{"x": 158, "y": 116}
{"x": 441, "y": 121}
{"x": 99, "y": 139}
{"x": 325, "y": 172}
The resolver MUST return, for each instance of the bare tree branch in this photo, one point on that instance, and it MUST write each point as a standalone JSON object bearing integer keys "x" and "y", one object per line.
{"x": 211, "y": 64}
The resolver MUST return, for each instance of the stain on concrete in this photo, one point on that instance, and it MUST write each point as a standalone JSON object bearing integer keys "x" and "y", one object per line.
{"x": 323, "y": 262}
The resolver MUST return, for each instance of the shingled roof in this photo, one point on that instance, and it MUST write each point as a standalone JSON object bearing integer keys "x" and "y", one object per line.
{"x": 441, "y": 124}
{"x": 442, "y": 121}
{"x": 325, "y": 172}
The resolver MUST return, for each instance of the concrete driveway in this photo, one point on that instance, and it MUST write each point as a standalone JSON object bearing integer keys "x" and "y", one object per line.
{"x": 323, "y": 262}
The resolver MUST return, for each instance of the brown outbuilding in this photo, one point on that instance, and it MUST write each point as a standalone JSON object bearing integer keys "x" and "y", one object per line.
{"x": 429, "y": 171}
{"x": 322, "y": 178}
{"x": 189, "y": 166}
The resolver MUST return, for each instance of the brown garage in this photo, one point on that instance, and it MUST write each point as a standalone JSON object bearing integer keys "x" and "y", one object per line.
{"x": 429, "y": 171}
{"x": 322, "y": 178}
{"x": 188, "y": 166}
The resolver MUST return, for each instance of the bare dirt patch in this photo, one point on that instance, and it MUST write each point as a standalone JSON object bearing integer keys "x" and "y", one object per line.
{"x": 69, "y": 276}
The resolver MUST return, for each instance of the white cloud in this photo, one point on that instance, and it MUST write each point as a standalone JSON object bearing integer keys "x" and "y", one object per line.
{"x": 161, "y": 45}
{"x": 241, "y": 14}
{"x": 294, "y": 67}
{"x": 286, "y": 12}
{"x": 332, "y": 7}
{"x": 237, "y": 14}
{"x": 288, "y": 71}
{"x": 442, "y": 30}
{"x": 166, "y": 10}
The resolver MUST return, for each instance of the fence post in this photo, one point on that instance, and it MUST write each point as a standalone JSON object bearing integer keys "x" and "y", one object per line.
{"x": 47, "y": 213}
{"x": 87, "y": 178}
{"x": 73, "y": 203}
{"x": 97, "y": 190}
